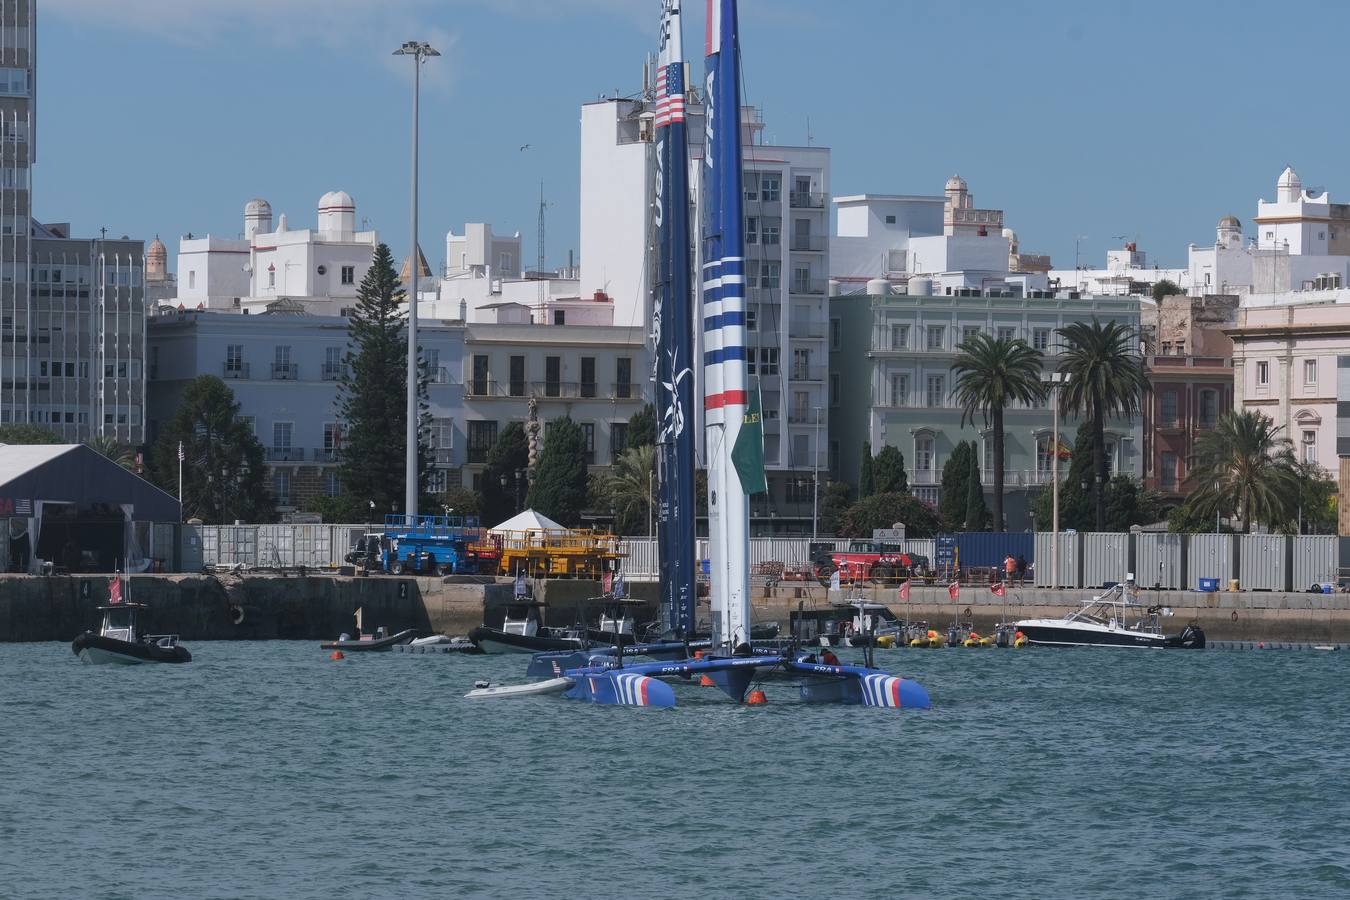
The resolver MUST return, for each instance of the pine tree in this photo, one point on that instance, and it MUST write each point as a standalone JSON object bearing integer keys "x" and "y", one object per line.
{"x": 888, "y": 471}
{"x": 503, "y": 477}
{"x": 223, "y": 472}
{"x": 641, "y": 428}
{"x": 866, "y": 474}
{"x": 558, "y": 487}
{"x": 372, "y": 398}
{"x": 955, "y": 475}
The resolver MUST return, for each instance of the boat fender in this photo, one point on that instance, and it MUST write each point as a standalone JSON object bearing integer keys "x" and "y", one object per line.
{"x": 1234, "y": 616}
{"x": 237, "y": 615}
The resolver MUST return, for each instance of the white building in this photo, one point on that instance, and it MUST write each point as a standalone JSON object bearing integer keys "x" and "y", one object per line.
{"x": 321, "y": 267}
{"x": 787, "y": 200}
{"x": 1126, "y": 272}
{"x": 483, "y": 273}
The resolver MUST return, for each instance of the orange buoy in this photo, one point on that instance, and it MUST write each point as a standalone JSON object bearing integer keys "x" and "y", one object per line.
{"x": 337, "y": 654}
{"x": 1261, "y": 646}
{"x": 705, "y": 681}
{"x": 756, "y": 698}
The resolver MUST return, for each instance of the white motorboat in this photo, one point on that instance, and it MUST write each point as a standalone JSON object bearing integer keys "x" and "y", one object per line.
{"x": 1113, "y": 619}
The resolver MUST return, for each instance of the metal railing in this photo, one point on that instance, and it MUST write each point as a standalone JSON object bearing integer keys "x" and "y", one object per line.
{"x": 808, "y": 373}
{"x": 806, "y": 200}
{"x": 286, "y": 454}
{"x": 333, "y": 371}
{"x": 237, "y": 370}
{"x": 808, "y": 286}
{"x": 325, "y": 454}
{"x": 285, "y": 371}
{"x": 811, "y": 243}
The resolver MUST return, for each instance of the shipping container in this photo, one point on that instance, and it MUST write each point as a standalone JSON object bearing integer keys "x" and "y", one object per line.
{"x": 1157, "y": 560}
{"x": 191, "y": 549}
{"x": 1068, "y": 560}
{"x": 1263, "y": 562}
{"x": 987, "y": 549}
{"x": 1209, "y": 556}
{"x": 1106, "y": 558}
{"x": 1314, "y": 560}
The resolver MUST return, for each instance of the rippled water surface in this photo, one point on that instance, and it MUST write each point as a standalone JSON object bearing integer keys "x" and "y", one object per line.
{"x": 267, "y": 770}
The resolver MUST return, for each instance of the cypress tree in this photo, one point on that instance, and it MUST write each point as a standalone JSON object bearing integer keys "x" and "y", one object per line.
{"x": 507, "y": 456}
{"x": 866, "y": 476}
{"x": 977, "y": 513}
{"x": 888, "y": 471}
{"x": 955, "y": 475}
{"x": 558, "y": 488}
{"x": 641, "y": 429}
{"x": 372, "y": 396}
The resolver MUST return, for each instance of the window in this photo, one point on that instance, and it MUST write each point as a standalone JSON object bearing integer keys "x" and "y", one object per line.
{"x": 923, "y": 458}
{"x": 770, "y": 188}
{"x": 504, "y": 262}
{"x": 553, "y": 376}
{"x": 801, "y": 364}
{"x": 435, "y": 371}
{"x": 936, "y": 336}
{"x": 899, "y": 389}
{"x": 801, "y": 280}
{"x": 442, "y": 438}
{"x": 588, "y": 376}
{"x": 1309, "y": 446}
{"x": 890, "y": 220}
{"x": 516, "y": 388}
{"x": 623, "y": 377}
{"x": 768, "y": 275}
{"x": 482, "y": 435}
{"x": 281, "y": 437}
{"x": 834, "y": 334}
{"x": 1167, "y": 415}
{"x": 560, "y": 317}
{"x": 751, "y": 230}
{"x": 937, "y": 390}
{"x": 771, "y": 235}
{"x": 332, "y": 440}
{"x": 768, "y": 360}
{"x": 1006, "y": 333}
{"x": 14, "y": 82}
{"x": 271, "y": 276}
{"x": 332, "y": 363}
{"x": 1044, "y": 463}
{"x": 752, "y": 318}
{"x": 1209, "y": 408}
{"x": 234, "y": 358}
{"x": 1110, "y": 454}
{"x": 281, "y": 487}
{"x": 834, "y": 389}
{"x": 1166, "y": 348}
{"x": 899, "y": 337}
{"x": 968, "y": 332}
{"x": 281, "y": 363}
{"x": 349, "y": 275}
{"x": 1040, "y": 339}
{"x": 618, "y": 439}
{"x": 1167, "y": 471}
{"x": 1263, "y": 374}
{"x": 588, "y": 432}
{"x": 478, "y": 384}
{"x": 1310, "y": 371}
{"x": 331, "y": 486}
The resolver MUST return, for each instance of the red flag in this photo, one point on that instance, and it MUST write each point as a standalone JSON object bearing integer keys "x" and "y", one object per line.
{"x": 607, "y": 582}
{"x": 997, "y": 589}
{"x": 114, "y": 590}
{"x": 954, "y": 590}
{"x": 904, "y": 591}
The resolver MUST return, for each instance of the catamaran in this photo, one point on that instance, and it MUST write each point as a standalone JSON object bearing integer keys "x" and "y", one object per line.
{"x": 733, "y": 432}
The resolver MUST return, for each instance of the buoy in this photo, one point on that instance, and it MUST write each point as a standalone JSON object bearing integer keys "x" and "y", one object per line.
{"x": 970, "y": 642}
{"x": 985, "y": 642}
{"x": 1019, "y": 635}
{"x": 337, "y": 654}
{"x": 935, "y": 641}
{"x": 886, "y": 640}
{"x": 756, "y": 697}
{"x": 1020, "y": 642}
{"x": 705, "y": 681}
{"x": 1261, "y": 646}
{"x": 917, "y": 642}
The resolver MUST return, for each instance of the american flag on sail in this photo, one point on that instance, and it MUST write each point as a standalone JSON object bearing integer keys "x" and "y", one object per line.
{"x": 23, "y": 507}
{"x": 670, "y": 94}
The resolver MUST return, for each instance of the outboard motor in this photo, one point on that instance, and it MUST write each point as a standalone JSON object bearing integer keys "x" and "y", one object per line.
{"x": 1192, "y": 637}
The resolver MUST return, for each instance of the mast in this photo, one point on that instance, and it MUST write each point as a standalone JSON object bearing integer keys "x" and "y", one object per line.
{"x": 672, "y": 332}
{"x": 724, "y": 394}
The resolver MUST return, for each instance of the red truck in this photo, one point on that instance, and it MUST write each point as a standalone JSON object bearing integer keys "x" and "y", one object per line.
{"x": 864, "y": 559}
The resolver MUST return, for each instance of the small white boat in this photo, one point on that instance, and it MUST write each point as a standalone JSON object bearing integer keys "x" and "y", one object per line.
{"x": 432, "y": 640}
{"x": 533, "y": 688}
{"x": 1113, "y": 619}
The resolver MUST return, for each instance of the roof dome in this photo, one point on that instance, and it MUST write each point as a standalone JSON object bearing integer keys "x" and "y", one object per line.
{"x": 1289, "y": 178}
{"x": 336, "y": 199}
{"x": 157, "y": 250}
{"x": 1230, "y": 222}
{"x": 956, "y": 183}
{"x": 257, "y": 205}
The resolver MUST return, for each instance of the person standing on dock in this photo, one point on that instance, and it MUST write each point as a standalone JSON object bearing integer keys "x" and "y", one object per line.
{"x": 1021, "y": 570}
{"x": 1009, "y": 569}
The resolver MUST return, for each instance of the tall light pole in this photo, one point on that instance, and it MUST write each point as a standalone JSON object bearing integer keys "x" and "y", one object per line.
{"x": 418, "y": 50}
{"x": 815, "y": 477}
{"x": 1055, "y": 382}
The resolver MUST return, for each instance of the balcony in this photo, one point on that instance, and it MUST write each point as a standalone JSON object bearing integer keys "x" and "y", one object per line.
{"x": 809, "y": 373}
{"x": 624, "y": 390}
{"x": 806, "y": 200}
{"x": 442, "y": 456}
{"x": 810, "y": 243}
{"x": 804, "y": 417}
{"x": 477, "y": 388}
{"x": 333, "y": 371}
{"x": 286, "y": 454}
{"x": 807, "y": 330}
{"x": 588, "y": 390}
{"x": 438, "y": 374}
{"x": 325, "y": 454}
{"x": 285, "y": 371}
{"x": 812, "y": 286}
{"x": 926, "y": 476}
{"x": 236, "y": 370}
{"x": 1013, "y": 478}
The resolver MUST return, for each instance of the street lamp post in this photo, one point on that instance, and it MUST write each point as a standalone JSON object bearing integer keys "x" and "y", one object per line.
{"x": 418, "y": 50}
{"x": 1055, "y": 382}
{"x": 815, "y": 477}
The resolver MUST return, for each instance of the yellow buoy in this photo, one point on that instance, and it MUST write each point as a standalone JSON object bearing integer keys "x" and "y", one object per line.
{"x": 918, "y": 642}
{"x": 985, "y": 642}
{"x": 935, "y": 642}
{"x": 1020, "y": 643}
{"x": 886, "y": 640}
{"x": 970, "y": 642}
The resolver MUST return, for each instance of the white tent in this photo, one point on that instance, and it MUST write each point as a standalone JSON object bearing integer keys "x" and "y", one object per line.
{"x": 529, "y": 520}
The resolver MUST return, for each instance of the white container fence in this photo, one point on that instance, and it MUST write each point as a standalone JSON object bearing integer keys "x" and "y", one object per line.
{"x": 1157, "y": 560}
{"x": 1315, "y": 560}
{"x": 1106, "y": 558}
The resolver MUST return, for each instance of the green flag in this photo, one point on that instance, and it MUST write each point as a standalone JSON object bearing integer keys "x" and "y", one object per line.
{"x": 748, "y": 454}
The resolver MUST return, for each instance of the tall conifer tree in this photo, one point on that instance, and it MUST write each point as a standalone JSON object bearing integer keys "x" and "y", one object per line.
{"x": 372, "y": 401}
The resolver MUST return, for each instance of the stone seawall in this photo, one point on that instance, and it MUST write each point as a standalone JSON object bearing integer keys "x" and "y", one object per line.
{"x": 261, "y": 607}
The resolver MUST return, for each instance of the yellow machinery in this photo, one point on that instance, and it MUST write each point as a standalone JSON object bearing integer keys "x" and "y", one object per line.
{"x": 568, "y": 553}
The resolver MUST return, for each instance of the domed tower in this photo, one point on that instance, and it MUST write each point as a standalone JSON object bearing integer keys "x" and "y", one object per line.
{"x": 958, "y": 195}
{"x": 257, "y": 218}
{"x": 337, "y": 213}
{"x": 1229, "y": 233}
{"x": 1288, "y": 188}
{"x": 156, "y": 261}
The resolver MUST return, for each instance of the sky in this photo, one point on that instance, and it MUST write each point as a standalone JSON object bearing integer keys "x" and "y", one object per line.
{"x": 1088, "y": 123}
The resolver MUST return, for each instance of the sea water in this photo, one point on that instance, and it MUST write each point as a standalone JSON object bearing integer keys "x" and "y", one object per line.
{"x": 268, "y": 770}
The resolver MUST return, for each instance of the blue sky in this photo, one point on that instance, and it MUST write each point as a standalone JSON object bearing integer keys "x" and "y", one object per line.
{"x": 1104, "y": 119}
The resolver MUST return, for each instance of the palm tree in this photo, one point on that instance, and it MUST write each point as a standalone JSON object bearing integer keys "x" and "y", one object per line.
{"x": 630, "y": 485}
{"x": 991, "y": 375}
{"x": 110, "y": 447}
{"x": 1105, "y": 378}
{"x": 1243, "y": 467}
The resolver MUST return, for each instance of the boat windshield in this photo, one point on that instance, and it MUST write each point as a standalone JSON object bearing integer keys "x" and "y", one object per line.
{"x": 119, "y": 624}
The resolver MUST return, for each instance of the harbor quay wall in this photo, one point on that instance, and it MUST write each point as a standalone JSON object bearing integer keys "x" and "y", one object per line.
{"x": 292, "y": 607}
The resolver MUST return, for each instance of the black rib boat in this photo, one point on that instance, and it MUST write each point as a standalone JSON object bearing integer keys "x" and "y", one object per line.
{"x": 118, "y": 641}
{"x": 378, "y": 641}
